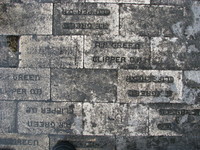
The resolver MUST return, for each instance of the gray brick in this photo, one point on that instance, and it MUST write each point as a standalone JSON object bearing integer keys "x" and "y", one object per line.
{"x": 23, "y": 142}
{"x": 7, "y": 117}
{"x": 85, "y": 142}
{"x": 50, "y": 117}
{"x": 168, "y": 53}
{"x": 149, "y": 86}
{"x": 84, "y": 85}
{"x": 147, "y": 20}
{"x": 116, "y": 52}
{"x": 86, "y": 18}
{"x": 32, "y": 18}
{"x": 9, "y": 51}
{"x": 173, "y": 120}
{"x": 24, "y": 84}
{"x": 51, "y": 51}
{"x": 121, "y": 1}
{"x": 191, "y": 88}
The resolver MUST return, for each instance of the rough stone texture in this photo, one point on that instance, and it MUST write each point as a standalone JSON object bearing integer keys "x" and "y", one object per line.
{"x": 32, "y": 18}
{"x": 24, "y": 84}
{"x": 7, "y": 117}
{"x": 51, "y": 51}
{"x": 85, "y": 142}
{"x": 191, "y": 88}
{"x": 116, "y": 52}
{"x": 50, "y": 117}
{"x": 168, "y": 53}
{"x": 121, "y": 1}
{"x": 9, "y": 51}
{"x": 149, "y": 86}
{"x": 23, "y": 142}
{"x": 147, "y": 20}
{"x": 84, "y": 85}
{"x": 173, "y": 119}
{"x": 102, "y": 118}
{"x": 134, "y": 121}
{"x": 158, "y": 143}
{"x": 85, "y": 18}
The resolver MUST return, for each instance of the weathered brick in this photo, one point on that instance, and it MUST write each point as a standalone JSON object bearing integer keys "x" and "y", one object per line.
{"x": 23, "y": 142}
{"x": 85, "y": 142}
{"x": 50, "y": 117}
{"x": 191, "y": 88}
{"x": 86, "y": 18}
{"x": 121, "y": 1}
{"x": 9, "y": 51}
{"x": 24, "y": 84}
{"x": 116, "y": 52}
{"x": 83, "y": 85}
{"x": 147, "y": 20}
{"x": 51, "y": 51}
{"x": 149, "y": 86}
{"x": 31, "y": 18}
{"x": 173, "y": 119}
{"x": 7, "y": 117}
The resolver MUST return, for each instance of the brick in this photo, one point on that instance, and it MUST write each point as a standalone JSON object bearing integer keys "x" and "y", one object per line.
{"x": 51, "y": 51}
{"x": 191, "y": 88}
{"x": 9, "y": 51}
{"x": 134, "y": 121}
{"x": 85, "y": 142}
{"x": 173, "y": 119}
{"x": 50, "y": 117}
{"x": 82, "y": 85}
{"x": 32, "y": 18}
{"x": 23, "y": 142}
{"x": 157, "y": 142}
{"x": 24, "y": 84}
{"x": 147, "y": 20}
{"x": 116, "y": 52}
{"x": 149, "y": 86}
{"x": 7, "y": 117}
{"x": 168, "y": 53}
{"x": 121, "y": 1}
{"x": 86, "y": 18}
{"x": 102, "y": 118}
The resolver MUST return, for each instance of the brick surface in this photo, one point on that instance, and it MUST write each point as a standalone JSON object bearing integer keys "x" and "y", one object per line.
{"x": 86, "y": 18}
{"x": 152, "y": 86}
{"x": 84, "y": 85}
{"x": 147, "y": 20}
{"x": 51, "y": 51}
{"x": 32, "y": 18}
{"x": 50, "y": 117}
{"x": 121, "y": 1}
{"x": 23, "y": 142}
{"x": 24, "y": 84}
{"x": 116, "y": 52}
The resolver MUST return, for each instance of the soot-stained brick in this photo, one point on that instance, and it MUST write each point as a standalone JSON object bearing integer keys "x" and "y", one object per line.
{"x": 147, "y": 20}
{"x": 191, "y": 88}
{"x": 9, "y": 51}
{"x": 84, "y": 85}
